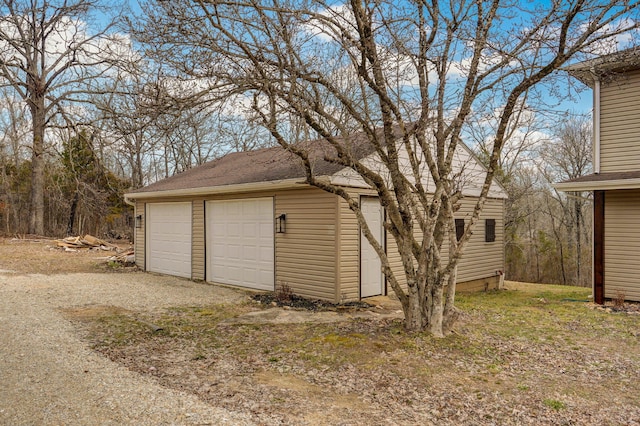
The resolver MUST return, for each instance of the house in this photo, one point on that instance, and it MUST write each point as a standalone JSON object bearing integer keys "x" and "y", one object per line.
{"x": 248, "y": 219}
{"x": 615, "y": 182}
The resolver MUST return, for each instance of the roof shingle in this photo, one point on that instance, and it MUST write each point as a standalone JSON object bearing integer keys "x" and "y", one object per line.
{"x": 262, "y": 165}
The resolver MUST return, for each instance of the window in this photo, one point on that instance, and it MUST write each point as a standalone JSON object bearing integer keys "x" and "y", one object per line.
{"x": 459, "y": 228}
{"x": 489, "y": 230}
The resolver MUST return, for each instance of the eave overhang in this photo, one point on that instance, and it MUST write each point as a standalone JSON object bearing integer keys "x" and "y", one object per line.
{"x": 598, "y": 184}
{"x": 215, "y": 190}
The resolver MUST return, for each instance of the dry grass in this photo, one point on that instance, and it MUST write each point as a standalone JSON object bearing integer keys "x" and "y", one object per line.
{"x": 41, "y": 257}
{"x": 532, "y": 354}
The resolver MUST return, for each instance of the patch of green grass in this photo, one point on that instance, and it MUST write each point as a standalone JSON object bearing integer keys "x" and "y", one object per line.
{"x": 505, "y": 338}
{"x": 554, "y": 404}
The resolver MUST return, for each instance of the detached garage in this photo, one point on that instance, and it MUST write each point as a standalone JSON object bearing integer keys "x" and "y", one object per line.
{"x": 249, "y": 220}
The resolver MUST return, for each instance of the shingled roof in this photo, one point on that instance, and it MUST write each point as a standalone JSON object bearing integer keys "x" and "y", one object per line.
{"x": 262, "y": 165}
{"x": 606, "y": 66}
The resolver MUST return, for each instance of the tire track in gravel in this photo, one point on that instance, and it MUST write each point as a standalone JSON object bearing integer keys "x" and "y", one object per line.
{"x": 49, "y": 376}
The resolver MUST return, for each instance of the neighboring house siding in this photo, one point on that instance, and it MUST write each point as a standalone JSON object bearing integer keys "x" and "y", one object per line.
{"x": 619, "y": 124}
{"x": 306, "y": 253}
{"x": 198, "y": 240}
{"x": 622, "y": 244}
{"x": 480, "y": 259}
{"x": 139, "y": 249}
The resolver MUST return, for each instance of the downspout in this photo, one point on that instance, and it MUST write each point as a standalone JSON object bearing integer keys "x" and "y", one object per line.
{"x": 596, "y": 122}
{"x": 135, "y": 236}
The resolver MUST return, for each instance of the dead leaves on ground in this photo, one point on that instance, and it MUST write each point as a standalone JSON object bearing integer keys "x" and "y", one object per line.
{"x": 524, "y": 362}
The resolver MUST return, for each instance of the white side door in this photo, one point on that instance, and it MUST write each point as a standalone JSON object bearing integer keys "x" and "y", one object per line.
{"x": 371, "y": 277}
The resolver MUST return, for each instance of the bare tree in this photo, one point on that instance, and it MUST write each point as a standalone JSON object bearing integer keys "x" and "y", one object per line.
{"x": 50, "y": 59}
{"x": 14, "y": 132}
{"x": 412, "y": 77}
{"x": 568, "y": 156}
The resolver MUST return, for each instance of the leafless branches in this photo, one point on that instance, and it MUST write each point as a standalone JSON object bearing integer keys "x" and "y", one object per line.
{"x": 413, "y": 79}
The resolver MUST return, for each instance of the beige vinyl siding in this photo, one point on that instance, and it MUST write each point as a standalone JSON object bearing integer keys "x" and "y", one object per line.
{"x": 139, "y": 245}
{"x": 396, "y": 264}
{"x": 622, "y": 244}
{"x": 198, "y": 240}
{"x": 348, "y": 253}
{"x": 480, "y": 259}
{"x": 306, "y": 253}
{"x": 619, "y": 124}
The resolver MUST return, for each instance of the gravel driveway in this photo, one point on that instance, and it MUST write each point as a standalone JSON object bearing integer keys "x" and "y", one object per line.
{"x": 49, "y": 376}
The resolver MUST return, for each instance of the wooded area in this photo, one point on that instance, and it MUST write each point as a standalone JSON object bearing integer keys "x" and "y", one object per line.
{"x": 94, "y": 105}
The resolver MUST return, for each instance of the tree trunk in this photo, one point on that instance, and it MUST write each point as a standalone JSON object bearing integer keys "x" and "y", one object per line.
{"x": 451, "y": 314}
{"x": 436, "y": 310}
{"x": 413, "y": 310}
{"x": 72, "y": 214}
{"x": 36, "y": 205}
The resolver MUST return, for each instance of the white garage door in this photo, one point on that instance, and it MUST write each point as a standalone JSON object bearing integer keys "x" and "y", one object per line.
{"x": 169, "y": 238}
{"x": 240, "y": 242}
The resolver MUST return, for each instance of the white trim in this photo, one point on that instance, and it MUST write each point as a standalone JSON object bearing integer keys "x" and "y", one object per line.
{"x": 598, "y": 185}
{"x": 596, "y": 124}
{"x": 210, "y": 190}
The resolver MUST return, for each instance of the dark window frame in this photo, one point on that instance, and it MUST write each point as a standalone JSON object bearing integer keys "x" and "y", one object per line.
{"x": 489, "y": 230}
{"x": 459, "y": 229}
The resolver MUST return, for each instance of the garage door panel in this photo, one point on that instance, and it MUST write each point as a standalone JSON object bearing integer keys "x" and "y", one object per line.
{"x": 241, "y": 241}
{"x": 169, "y": 238}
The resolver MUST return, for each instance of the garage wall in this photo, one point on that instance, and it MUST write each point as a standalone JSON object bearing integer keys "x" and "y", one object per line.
{"x": 480, "y": 259}
{"x": 138, "y": 246}
{"x": 306, "y": 253}
{"x": 198, "y": 240}
{"x": 348, "y": 253}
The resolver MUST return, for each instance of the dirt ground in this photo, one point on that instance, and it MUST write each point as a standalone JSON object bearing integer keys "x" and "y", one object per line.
{"x": 530, "y": 355}
{"x": 38, "y": 255}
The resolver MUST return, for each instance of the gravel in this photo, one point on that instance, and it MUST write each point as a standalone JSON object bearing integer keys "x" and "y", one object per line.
{"x": 50, "y": 377}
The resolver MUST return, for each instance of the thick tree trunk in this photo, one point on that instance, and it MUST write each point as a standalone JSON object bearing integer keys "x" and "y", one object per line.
{"x": 436, "y": 311}
{"x": 413, "y": 320}
{"x": 36, "y": 205}
{"x": 451, "y": 314}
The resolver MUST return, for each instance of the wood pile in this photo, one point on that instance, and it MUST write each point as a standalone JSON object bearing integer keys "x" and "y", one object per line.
{"x": 125, "y": 257}
{"x": 86, "y": 242}
{"x": 74, "y": 244}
